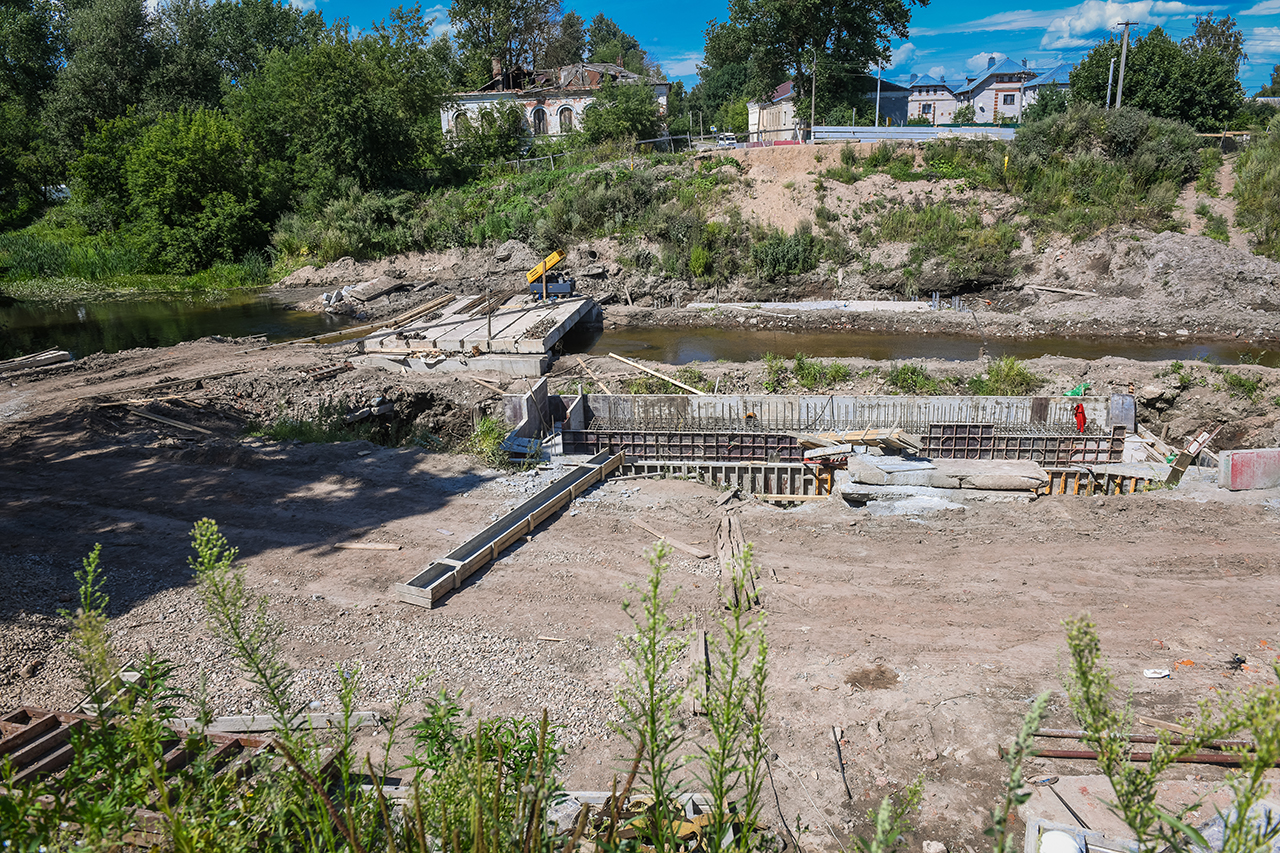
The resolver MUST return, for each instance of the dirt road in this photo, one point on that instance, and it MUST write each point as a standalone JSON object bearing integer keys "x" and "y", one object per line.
{"x": 923, "y": 638}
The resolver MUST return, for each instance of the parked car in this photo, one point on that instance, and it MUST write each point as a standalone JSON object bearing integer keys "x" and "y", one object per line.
{"x": 726, "y": 140}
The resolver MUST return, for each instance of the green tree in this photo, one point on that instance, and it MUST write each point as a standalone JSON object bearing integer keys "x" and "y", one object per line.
{"x": 187, "y": 74}
{"x": 245, "y": 32}
{"x": 1193, "y": 81}
{"x": 622, "y": 110}
{"x": 783, "y": 35}
{"x": 98, "y": 181}
{"x": 515, "y": 33}
{"x": 608, "y": 43}
{"x": 30, "y": 45}
{"x": 1050, "y": 101}
{"x": 569, "y": 44}
{"x": 192, "y": 191}
{"x": 1271, "y": 90}
{"x": 966, "y": 114}
{"x": 109, "y": 63}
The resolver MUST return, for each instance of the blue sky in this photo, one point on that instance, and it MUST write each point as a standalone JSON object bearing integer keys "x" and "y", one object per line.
{"x": 947, "y": 38}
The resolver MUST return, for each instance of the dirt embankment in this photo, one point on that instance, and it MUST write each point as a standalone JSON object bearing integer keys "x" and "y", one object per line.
{"x": 895, "y": 630}
{"x": 1125, "y": 283}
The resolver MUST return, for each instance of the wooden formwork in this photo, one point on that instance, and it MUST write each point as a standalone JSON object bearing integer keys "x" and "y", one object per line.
{"x": 1082, "y": 481}
{"x": 40, "y": 744}
{"x": 766, "y": 480}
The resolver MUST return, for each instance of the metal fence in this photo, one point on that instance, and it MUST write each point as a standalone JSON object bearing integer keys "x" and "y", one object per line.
{"x": 581, "y": 156}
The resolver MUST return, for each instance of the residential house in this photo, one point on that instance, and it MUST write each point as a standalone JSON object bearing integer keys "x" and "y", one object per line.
{"x": 781, "y": 118}
{"x": 1058, "y": 77}
{"x": 997, "y": 91}
{"x": 931, "y": 99}
{"x": 553, "y": 99}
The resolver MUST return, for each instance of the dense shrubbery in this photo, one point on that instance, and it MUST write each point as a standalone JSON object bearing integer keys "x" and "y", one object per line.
{"x": 1258, "y": 190}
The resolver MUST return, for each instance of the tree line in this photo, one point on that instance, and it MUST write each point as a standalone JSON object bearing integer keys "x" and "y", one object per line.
{"x": 188, "y": 131}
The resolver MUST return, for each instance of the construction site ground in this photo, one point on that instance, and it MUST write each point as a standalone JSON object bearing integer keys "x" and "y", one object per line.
{"x": 923, "y": 638}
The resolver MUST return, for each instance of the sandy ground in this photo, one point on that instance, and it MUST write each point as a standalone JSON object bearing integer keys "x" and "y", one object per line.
{"x": 922, "y": 638}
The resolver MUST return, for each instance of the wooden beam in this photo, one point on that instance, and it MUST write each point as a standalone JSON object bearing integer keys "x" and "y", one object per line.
{"x": 170, "y": 421}
{"x": 638, "y": 366}
{"x": 674, "y": 543}
{"x": 1066, "y": 290}
{"x": 597, "y": 379}
{"x": 488, "y": 385}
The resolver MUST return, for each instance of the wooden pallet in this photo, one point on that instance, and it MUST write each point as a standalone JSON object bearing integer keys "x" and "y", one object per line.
{"x": 1082, "y": 481}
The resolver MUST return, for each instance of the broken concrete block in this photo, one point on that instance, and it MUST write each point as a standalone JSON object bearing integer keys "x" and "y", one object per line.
{"x": 862, "y": 471}
{"x": 1249, "y": 469}
{"x": 993, "y": 474}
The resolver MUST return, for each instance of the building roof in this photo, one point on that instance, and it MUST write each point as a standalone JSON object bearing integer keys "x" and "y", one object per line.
{"x": 579, "y": 76}
{"x": 926, "y": 80}
{"x": 1004, "y": 66}
{"x": 1059, "y": 75}
{"x": 887, "y": 87}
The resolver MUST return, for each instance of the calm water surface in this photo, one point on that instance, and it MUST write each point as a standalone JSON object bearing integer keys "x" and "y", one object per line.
{"x": 90, "y": 326}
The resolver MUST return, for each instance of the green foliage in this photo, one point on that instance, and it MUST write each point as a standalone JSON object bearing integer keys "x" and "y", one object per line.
{"x": 842, "y": 173}
{"x": 1210, "y": 163}
{"x": 966, "y": 115}
{"x": 893, "y": 820}
{"x": 1215, "y": 226}
{"x": 1006, "y": 377}
{"x": 622, "y": 111}
{"x": 915, "y": 379}
{"x": 1237, "y": 385}
{"x": 1003, "y": 837}
{"x": 815, "y": 376}
{"x": 649, "y": 696}
{"x": 1194, "y": 81}
{"x": 690, "y": 376}
{"x": 775, "y": 373}
{"x": 192, "y": 194}
{"x": 1257, "y": 190}
{"x": 355, "y": 223}
{"x": 1050, "y": 101}
{"x": 1086, "y": 169}
{"x": 486, "y": 442}
{"x": 973, "y": 251}
{"x": 778, "y": 255}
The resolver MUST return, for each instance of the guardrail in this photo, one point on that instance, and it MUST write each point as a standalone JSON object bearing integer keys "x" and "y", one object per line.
{"x": 908, "y": 134}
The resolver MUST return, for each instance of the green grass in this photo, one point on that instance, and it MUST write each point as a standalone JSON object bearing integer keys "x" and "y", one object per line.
{"x": 914, "y": 379}
{"x": 690, "y": 376}
{"x": 1006, "y": 377}
{"x": 815, "y": 376}
{"x": 1215, "y": 224}
{"x": 1210, "y": 163}
{"x": 972, "y": 251}
{"x": 775, "y": 373}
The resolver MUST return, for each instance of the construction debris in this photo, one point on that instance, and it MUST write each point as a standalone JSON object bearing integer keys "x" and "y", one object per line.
{"x": 691, "y": 550}
{"x": 731, "y": 546}
{"x": 35, "y": 359}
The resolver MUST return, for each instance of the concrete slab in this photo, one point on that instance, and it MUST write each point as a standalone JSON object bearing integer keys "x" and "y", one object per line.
{"x": 1249, "y": 469}
{"x": 998, "y": 474}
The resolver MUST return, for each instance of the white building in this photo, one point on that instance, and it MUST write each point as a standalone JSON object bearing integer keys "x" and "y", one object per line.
{"x": 931, "y": 99}
{"x": 553, "y": 99}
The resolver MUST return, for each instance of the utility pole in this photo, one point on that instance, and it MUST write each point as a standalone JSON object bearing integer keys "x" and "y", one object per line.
{"x": 1124, "y": 52}
{"x": 879, "y": 72}
{"x": 1110, "y": 73}
{"x": 813, "y": 92}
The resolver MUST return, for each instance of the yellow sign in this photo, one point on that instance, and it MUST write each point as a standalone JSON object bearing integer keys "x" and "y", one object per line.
{"x": 552, "y": 259}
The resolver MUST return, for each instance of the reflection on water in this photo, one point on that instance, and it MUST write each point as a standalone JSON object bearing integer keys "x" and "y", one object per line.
{"x": 87, "y": 327}
{"x": 683, "y": 345}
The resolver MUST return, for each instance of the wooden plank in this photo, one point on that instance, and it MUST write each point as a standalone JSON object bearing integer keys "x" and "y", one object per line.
{"x": 792, "y": 498}
{"x": 51, "y": 763}
{"x": 366, "y": 546}
{"x": 674, "y": 543}
{"x": 267, "y": 723}
{"x": 43, "y": 359}
{"x": 488, "y": 385}
{"x": 1066, "y": 290}
{"x": 638, "y": 366}
{"x": 34, "y": 730}
{"x": 597, "y": 379}
{"x": 170, "y": 421}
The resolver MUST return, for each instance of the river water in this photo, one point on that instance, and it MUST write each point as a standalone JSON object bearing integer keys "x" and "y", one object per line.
{"x": 87, "y": 327}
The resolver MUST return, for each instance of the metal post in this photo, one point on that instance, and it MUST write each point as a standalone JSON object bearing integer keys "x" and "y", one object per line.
{"x": 1110, "y": 74}
{"x": 813, "y": 93}
{"x": 1124, "y": 52}
{"x": 879, "y": 73}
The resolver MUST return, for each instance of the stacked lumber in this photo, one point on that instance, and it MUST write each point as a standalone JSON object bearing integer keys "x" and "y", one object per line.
{"x": 35, "y": 359}
{"x": 892, "y": 438}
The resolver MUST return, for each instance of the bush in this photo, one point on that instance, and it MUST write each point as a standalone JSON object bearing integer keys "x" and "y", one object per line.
{"x": 1006, "y": 377}
{"x": 816, "y": 376}
{"x": 973, "y": 251}
{"x": 1258, "y": 190}
{"x": 913, "y": 379}
{"x": 778, "y": 255}
{"x": 1210, "y": 163}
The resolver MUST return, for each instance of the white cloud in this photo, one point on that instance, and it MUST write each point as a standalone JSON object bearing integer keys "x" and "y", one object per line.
{"x": 303, "y": 5}
{"x": 902, "y": 54}
{"x": 1023, "y": 19}
{"x": 1262, "y": 44}
{"x": 1073, "y": 28}
{"x": 1266, "y": 7}
{"x": 681, "y": 64}
{"x": 979, "y": 61}
{"x": 938, "y": 72}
